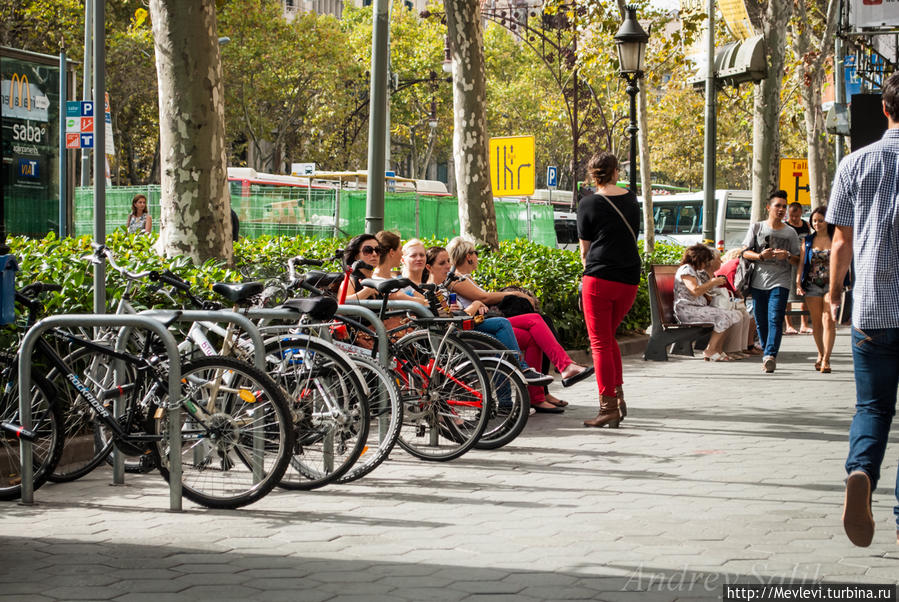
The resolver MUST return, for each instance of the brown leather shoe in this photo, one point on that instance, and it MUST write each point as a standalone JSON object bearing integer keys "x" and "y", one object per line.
{"x": 858, "y": 522}
{"x": 609, "y": 413}
{"x": 622, "y": 407}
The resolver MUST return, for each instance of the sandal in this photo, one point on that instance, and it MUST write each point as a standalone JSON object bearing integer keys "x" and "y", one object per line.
{"x": 559, "y": 403}
{"x": 818, "y": 365}
{"x": 718, "y": 357}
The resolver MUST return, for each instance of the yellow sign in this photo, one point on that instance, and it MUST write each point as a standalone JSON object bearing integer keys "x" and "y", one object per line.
{"x": 512, "y": 166}
{"x": 794, "y": 179}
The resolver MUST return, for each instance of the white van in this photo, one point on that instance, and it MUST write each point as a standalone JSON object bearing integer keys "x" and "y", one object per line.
{"x": 679, "y": 216}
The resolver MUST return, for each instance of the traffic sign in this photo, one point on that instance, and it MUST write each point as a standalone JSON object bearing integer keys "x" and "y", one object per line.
{"x": 512, "y": 166}
{"x": 552, "y": 177}
{"x": 794, "y": 179}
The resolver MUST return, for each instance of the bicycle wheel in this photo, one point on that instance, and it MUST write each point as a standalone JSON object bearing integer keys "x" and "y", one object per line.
{"x": 46, "y": 421}
{"x": 445, "y": 393}
{"x": 87, "y": 439}
{"x": 385, "y": 418}
{"x": 236, "y": 435}
{"x": 511, "y": 404}
{"x": 329, "y": 404}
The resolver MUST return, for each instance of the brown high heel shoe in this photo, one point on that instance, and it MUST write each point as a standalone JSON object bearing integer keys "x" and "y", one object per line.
{"x": 609, "y": 413}
{"x": 622, "y": 407}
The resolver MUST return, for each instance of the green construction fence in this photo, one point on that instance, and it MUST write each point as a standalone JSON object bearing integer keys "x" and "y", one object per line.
{"x": 314, "y": 211}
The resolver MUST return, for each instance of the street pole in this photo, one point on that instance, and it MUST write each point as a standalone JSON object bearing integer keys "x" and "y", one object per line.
{"x": 99, "y": 152}
{"x": 839, "y": 90}
{"x": 86, "y": 86}
{"x": 708, "y": 175}
{"x": 63, "y": 153}
{"x": 632, "y": 129}
{"x": 374, "y": 202}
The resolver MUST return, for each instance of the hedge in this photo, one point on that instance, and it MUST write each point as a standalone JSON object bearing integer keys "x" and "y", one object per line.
{"x": 552, "y": 274}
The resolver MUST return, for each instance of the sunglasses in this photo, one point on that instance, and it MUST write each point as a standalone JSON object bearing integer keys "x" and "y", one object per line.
{"x": 368, "y": 250}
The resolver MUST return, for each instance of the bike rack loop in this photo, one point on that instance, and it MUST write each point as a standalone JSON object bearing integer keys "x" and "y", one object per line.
{"x": 196, "y": 315}
{"x": 100, "y": 320}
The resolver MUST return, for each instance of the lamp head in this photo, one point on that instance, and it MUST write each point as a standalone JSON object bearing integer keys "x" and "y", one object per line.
{"x": 631, "y": 40}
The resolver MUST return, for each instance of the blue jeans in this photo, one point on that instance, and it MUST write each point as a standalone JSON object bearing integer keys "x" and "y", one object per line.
{"x": 502, "y": 330}
{"x": 769, "y": 308}
{"x": 876, "y": 357}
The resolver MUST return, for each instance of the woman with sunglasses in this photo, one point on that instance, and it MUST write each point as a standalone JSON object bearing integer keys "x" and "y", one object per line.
{"x": 366, "y": 248}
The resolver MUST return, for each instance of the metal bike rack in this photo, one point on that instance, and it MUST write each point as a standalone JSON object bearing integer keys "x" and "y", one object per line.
{"x": 102, "y": 321}
{"x": 196, "y": 315}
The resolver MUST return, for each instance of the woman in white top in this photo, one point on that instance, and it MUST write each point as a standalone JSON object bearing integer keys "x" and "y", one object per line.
{"x": 414, "y": 261}
{"x": 691, "y": 303}
{"x": 139, "y": 219}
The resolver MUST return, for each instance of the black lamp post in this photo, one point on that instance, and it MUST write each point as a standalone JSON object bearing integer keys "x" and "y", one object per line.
{"x": 631, "y": 40}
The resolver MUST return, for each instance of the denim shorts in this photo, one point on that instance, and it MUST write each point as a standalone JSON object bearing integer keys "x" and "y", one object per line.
{"x": 813, "y": 290}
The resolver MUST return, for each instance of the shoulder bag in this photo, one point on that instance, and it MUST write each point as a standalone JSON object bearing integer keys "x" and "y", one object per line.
{"x": 621, "y": 215}
{"x": 745, "y": 269}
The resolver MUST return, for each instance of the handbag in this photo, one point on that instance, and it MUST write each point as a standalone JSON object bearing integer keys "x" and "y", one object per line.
{"x": 745, "y": 269}
{"x": 720, "y": 298}
{"x": 513, "y": 305}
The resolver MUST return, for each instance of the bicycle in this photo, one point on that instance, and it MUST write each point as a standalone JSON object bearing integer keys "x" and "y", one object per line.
{"x": 235, "y": 423}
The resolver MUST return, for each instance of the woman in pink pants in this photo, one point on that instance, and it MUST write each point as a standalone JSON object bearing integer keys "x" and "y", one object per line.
{"x": 531, "y": 331}
{"x": 607, "y": 224}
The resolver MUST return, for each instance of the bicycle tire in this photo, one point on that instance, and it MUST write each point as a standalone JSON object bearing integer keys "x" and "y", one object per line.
{"x": 329, "y": 404}
{"x": 511, "y": 404}
{"x": 46, "y": 421}
{"x": 82, "y": 427}
{"x": 446, "y": 398}
{"x": 385, "y": 418}
{"x": 236, "y": 433}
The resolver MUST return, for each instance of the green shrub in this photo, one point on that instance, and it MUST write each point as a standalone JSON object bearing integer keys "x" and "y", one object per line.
{"x": 552, "y": 274}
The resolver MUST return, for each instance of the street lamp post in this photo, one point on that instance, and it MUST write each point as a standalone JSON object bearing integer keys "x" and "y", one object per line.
{"x": 631, "y": 40}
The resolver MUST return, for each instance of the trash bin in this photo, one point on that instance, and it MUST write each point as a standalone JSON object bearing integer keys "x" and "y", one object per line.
{"x": 8, "y": 269}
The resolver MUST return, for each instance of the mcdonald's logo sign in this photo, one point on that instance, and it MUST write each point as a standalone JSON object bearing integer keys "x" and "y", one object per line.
{"x": 19, "y": 99}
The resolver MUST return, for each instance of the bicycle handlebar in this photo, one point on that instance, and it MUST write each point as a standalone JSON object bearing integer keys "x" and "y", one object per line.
{"x": 102, "y": 252}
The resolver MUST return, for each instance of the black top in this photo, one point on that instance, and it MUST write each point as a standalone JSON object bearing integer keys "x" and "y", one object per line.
{"x": 802, "y": 230}
{"x": 613, "y": 253}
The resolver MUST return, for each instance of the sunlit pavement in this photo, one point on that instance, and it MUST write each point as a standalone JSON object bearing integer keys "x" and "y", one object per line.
{"x": 720, "y": 474}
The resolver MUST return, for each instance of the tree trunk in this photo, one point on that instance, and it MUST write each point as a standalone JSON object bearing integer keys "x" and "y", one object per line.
{"x": 195, "y": 217}
{"x": 477, "y": 215}
{"x": 765, "y": 127}
{"x": 812, "y": 58}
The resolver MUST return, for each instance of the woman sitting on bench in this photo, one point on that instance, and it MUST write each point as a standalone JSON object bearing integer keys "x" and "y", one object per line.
{"x": 692, "y": 302}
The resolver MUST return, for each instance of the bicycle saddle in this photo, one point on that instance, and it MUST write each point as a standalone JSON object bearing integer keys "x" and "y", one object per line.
{"x": 323, "y": 279}
{"x": 318, "y": 308}
{"x": 385, "y": 287}
{"x": 238, "y": 292}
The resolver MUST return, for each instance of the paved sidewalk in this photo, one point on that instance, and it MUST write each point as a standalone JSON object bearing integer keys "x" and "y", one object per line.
{"x": 720, "y": 474}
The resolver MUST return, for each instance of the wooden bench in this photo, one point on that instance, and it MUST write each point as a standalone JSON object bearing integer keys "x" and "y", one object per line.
{"x": 666, "y": 330}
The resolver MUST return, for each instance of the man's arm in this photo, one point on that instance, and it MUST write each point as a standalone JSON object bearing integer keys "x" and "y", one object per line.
{"x": 840, "y": 259}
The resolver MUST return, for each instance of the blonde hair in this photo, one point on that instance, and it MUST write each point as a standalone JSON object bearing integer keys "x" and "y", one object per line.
{"x": 732, "y": 254}
{"x": 412, "y": 243}
{"x": 458, "y": 249}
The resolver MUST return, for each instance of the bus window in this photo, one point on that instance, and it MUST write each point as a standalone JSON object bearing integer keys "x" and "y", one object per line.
{"x": 738, "y": 209}
{"x": 689, "y": 219}
{"x": 665, "y": 219}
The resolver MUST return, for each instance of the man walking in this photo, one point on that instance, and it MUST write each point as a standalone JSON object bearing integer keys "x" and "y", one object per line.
{"x": 865, "y": 211}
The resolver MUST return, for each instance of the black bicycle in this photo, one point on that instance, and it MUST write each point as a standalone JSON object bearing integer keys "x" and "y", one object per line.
{"x": 235, "y": 426}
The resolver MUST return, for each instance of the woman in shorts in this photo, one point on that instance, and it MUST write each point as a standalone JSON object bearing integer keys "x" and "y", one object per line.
{"x": 813, "y": 280}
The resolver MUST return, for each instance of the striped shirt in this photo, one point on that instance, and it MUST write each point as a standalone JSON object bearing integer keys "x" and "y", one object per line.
{"x": 864, "y": 196}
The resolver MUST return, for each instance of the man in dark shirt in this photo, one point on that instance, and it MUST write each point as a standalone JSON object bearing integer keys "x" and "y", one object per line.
{"x": 795, "y": 221}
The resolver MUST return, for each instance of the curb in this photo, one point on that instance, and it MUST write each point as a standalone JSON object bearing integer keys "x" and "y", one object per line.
{"x": 629, "y": 345}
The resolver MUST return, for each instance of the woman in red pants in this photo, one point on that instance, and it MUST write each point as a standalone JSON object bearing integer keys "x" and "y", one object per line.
{"x": 531, "y": 331}
{"x": 607, "y": 224}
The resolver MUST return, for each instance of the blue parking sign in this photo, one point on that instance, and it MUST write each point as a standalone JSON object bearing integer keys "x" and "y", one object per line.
{"x": 552, "y": 176}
